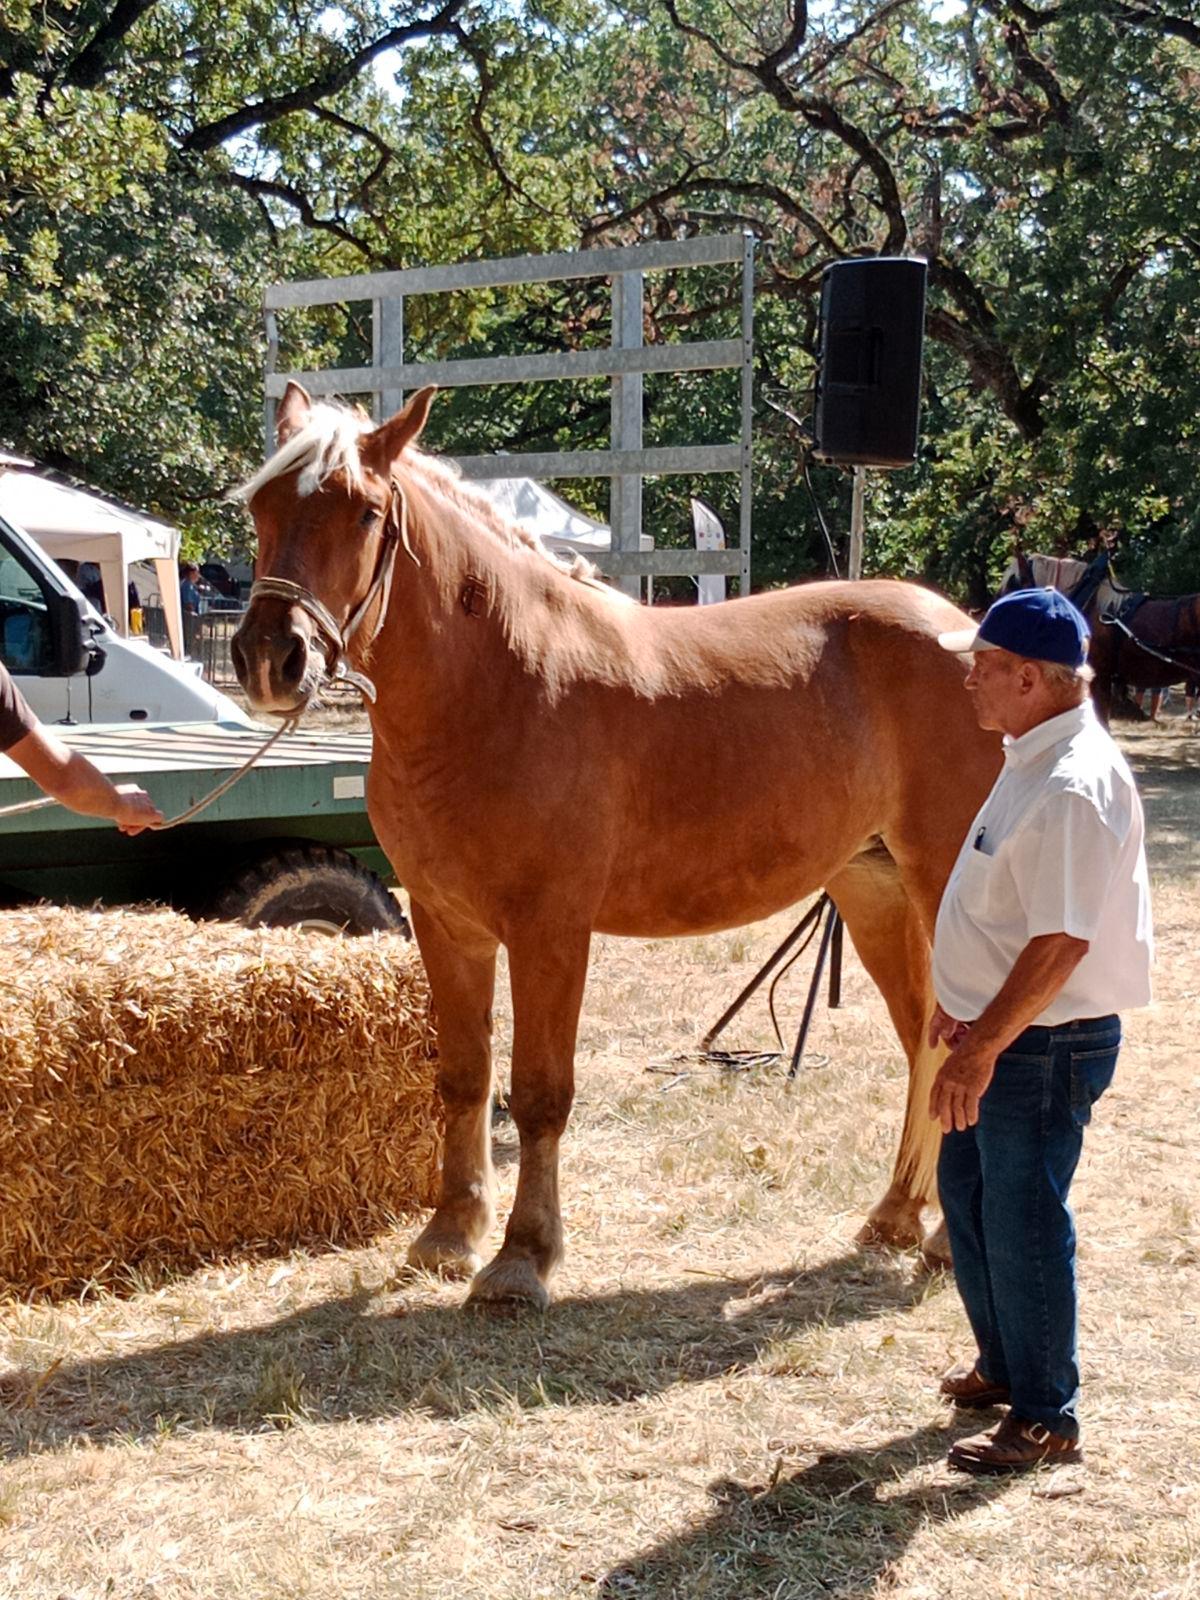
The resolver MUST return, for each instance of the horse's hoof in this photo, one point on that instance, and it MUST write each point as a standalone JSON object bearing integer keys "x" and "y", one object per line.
{"x": 447, "y": 1256}
{"x": 509, "y": 1283}
{"x": 898, "y": 1229}
{"x": 935, "y": 1250}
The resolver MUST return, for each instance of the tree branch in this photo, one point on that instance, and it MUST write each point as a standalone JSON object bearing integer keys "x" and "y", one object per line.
{"x": 829, "y": 50}
{"x": 486, "y": 83}
{"x": 992, "y": 367}
{"x": 386, "y": 152}
{"x": 1151, "y": 17}
{"x": 746, "y": 189}
{"x": 1035, "y": 71}
{"x": 306, "y": 96}
{"x": 264, "y": 188}
{"x": 93, "y": 61}
{"x": 792, "y": 40}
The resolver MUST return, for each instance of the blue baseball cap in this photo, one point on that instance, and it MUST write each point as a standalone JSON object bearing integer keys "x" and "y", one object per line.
{"x": 1039, "y": 624}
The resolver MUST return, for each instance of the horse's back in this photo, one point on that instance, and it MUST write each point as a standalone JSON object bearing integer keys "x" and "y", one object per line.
{"x": 782, "y": 636}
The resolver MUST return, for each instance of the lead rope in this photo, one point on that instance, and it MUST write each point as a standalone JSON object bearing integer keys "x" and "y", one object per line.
{"x": 289, "y": 726}
{"x": 283, "y": 588}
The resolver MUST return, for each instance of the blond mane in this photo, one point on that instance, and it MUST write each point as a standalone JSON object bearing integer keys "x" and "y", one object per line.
{"x": 328, "y": 443}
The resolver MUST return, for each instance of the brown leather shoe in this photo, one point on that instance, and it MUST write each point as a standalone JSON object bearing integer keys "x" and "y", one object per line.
{"x": 1013, "y": 1445}
{"x": 968, "y": 1387}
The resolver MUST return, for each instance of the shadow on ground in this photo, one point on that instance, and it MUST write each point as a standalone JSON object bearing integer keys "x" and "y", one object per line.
{"x": 381, "y": 1352}
{"x": 1167, "y": 768}
{"x": 834, "y": 1526}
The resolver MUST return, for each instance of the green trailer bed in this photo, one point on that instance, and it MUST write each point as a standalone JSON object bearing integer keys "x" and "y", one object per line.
{"x": 307, "y": 794}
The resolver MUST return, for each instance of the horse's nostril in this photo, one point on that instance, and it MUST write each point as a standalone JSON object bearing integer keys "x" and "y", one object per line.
{"x": 294, "y": 663}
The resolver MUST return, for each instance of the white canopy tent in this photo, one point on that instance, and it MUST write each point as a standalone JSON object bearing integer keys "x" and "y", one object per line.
{"x": 559, "y": 526}
{"x": 71, "y": 525}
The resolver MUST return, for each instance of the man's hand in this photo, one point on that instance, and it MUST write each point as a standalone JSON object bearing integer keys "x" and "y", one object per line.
{"x": 135, "y": 811}
{"x": 1037, "y": 975}
{"x": 75, "y": 783}
{"x": 945, "y": 1029}
{"x": 960, "y": 1085}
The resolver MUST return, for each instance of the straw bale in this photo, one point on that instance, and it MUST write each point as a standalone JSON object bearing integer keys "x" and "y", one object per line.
{"x": 173, "y": 1091}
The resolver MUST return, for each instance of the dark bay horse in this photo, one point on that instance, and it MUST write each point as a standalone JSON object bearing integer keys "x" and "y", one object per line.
{"x": 551, "y": 759}
{"x": 1138, "y": 641}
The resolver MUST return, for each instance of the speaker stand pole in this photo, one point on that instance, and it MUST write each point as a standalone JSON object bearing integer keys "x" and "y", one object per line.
{"x": 831, "y": 940}
{"x": 857, "y": 518}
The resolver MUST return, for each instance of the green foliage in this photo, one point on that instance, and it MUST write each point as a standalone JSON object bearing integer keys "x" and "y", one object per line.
{"x": 159, "y": 165}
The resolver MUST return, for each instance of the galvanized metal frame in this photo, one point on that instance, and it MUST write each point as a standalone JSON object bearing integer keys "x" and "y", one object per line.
{"x": 626, "y": 463}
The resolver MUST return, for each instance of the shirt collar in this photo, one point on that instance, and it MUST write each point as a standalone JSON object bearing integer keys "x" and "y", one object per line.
{"x": 1045, "y": 735}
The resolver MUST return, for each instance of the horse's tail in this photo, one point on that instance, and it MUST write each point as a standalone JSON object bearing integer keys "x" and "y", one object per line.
{"x": 893, "y": 944}
{"x": 921, "y": 1138}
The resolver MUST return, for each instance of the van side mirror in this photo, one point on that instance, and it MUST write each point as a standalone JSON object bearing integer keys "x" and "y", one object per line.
{"x": 70, "y": 649}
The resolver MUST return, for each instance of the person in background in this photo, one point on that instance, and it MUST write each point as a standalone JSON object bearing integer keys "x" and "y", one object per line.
{"x": 189, "y": 592}
{"x": 1155, "y": 706}
{"x": 1042, "y": 937}
{"x": 64, "y": 774}
{"x": 91, "y": 584}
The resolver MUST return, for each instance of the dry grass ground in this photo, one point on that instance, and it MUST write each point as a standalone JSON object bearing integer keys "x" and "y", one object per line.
{"x": 727, "y": 1399}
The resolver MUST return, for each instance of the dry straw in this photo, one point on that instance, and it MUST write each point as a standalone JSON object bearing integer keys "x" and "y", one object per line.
{"x": 170, "y": 1092}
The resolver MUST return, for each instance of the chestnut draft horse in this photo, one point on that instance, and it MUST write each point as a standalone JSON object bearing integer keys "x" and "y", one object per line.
{"x": 1138, "y": 641}
{"x": 551, "y": 759}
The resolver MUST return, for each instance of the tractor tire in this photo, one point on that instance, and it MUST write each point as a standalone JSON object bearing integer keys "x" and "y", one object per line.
{"x": 310, "y": 886}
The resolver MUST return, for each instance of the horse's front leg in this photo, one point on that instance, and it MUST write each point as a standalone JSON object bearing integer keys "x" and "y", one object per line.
{"x": 548, "y": 970}
{"x": 462, "y": 980}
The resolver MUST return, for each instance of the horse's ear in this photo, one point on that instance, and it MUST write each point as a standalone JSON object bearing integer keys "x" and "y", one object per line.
{"x": 391, "y": 436}
{"x": 294, "y": 411}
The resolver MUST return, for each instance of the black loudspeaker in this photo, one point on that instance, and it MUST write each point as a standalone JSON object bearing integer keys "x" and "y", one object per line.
{"x": 869, "y": 364}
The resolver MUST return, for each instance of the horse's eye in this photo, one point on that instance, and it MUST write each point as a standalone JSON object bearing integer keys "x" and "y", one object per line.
{"x": 369, "y": 516}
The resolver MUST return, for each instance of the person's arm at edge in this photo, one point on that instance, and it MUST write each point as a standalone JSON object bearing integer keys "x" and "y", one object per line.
{"x": 1037, "y": 975}
{"x": 74, "y": 782}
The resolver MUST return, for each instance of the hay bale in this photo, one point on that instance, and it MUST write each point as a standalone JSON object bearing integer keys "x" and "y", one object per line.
{"x": 171, "y": 1092}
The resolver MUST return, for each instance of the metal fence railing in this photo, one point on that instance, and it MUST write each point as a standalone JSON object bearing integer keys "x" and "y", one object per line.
{"x": 626, "y": 362}
{"x": 207, "y": 639}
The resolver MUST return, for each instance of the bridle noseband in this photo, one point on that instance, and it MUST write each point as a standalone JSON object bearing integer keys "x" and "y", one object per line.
{"x": 338, "y": 635}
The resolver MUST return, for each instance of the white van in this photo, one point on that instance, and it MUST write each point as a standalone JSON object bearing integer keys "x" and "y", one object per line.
{"x": 72, "y": 667}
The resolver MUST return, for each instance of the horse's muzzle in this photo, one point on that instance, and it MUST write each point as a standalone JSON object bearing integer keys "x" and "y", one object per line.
{"x": 274, "y": 658}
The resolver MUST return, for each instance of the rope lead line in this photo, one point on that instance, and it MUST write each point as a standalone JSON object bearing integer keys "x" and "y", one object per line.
{"x": 396, "y": 534}
{"x": 291, "y": 724}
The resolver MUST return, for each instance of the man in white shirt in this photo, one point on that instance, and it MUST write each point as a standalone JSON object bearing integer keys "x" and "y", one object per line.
{"x": 1042, "y": 936}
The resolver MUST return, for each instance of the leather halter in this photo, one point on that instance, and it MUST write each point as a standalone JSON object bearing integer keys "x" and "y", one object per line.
{"x": 339, "y": 635}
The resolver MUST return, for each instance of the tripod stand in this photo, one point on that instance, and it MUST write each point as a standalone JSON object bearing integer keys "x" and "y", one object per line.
{"x": 829, "y": 949}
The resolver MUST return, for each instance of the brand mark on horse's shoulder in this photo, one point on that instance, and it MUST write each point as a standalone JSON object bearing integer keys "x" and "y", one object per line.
{"x": 473, "y": 598}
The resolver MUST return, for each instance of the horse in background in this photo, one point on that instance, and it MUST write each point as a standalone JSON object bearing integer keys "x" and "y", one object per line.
{"x": 1138, "y": 641}
{"x": 550, "y": 760}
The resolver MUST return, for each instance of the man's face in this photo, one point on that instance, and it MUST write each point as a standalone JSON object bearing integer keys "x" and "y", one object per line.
{"x": 999, "y": 684}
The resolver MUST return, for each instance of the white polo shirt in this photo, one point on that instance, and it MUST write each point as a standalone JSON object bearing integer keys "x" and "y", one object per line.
{"x": 1056, "y": 848}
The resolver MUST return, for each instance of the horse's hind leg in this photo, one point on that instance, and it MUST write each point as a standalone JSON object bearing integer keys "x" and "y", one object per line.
{"x": 892, "y": 943}
{"x": 462, "y": 981}
{"x": 548, "y": 968}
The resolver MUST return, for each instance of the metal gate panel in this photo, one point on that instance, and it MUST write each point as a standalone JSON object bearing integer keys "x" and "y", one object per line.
{"x": 626, "y": 464}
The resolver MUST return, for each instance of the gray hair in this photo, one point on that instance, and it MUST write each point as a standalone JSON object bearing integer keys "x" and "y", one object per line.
{"x": 1063, "y": 679}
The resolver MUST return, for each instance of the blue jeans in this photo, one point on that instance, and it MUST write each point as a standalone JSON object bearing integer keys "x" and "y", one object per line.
{"x": 1003, "y": 1186}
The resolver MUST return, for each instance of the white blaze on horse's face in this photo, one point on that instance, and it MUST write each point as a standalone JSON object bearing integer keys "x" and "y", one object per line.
{"x": 320, "y": 507}
{"x": 282, "y": 655}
